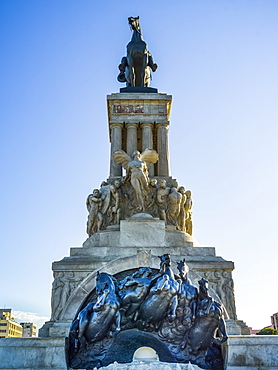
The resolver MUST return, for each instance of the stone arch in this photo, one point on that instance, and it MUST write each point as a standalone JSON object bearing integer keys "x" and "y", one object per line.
{"x": 127, "y": 342}
{"x": 141, "y": 259}
{"x": 75, "y": 301}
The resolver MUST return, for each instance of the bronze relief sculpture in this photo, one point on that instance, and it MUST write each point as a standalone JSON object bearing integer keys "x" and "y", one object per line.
{"x": 148, "y": 308}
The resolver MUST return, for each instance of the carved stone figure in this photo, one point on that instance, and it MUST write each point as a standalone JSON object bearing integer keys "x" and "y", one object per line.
{"x": 57, "y": 289}
{"x": 228, "y": 298}
{"x": 188, "y": 214}
{"x": 173, "y": 207}
{"x": 95, "y": 218}
{"x": 214, "y": 278}
{"x": 63, "y": 285}
{"x": 181, "y": 217}
{"x": 74, "y": 280}
{"x": 105, "y": 196}
{"x": 152, "y": 206}
{"x": 162, "y": 198}
{"x": 114, "y": 211}
{"x": 137, "y": 173}
{"x": 135, "y": 67}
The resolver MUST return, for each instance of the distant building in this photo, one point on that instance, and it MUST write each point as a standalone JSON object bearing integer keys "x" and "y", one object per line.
{"x": 274, "y": 320}
{"x": 8, "y": 326}
{"x": 29, "y": 329}
{"x": 253, "y": 331}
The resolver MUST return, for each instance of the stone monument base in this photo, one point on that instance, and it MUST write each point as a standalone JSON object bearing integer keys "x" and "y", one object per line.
{"x": 248, "y": 352}
{"x": 136, "y": 242}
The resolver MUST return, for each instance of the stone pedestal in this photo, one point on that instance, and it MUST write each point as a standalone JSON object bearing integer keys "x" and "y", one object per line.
{"x": 144, "y": 121}
{"x": 135, "y": 243}
{"x": 248, "y": 352}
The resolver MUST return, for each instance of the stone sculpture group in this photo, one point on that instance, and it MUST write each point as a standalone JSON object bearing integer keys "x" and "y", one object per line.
{"x": 152, "y": 307}
{"x": 138, "y": 193}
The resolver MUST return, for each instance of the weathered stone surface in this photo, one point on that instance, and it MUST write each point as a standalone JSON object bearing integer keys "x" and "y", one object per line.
{"x": 142, "y": 232}
{"x": 134, "y": 111}
{"x": 150, "y": 365}
{"x": 252, "y": 352}
{"x": 32, "y": 353}
{"x": 242, "y": 353}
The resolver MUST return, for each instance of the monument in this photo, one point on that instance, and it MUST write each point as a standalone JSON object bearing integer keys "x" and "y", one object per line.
{"x": 141, "y": 293}
{"x": 129, "y": 285}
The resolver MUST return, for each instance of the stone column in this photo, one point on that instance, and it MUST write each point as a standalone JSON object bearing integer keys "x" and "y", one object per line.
{"x": 162, "y": 149}
{"x": 116, "y": 143}
{"x": 147, "y": 142}
{"x": 131, "y": 138}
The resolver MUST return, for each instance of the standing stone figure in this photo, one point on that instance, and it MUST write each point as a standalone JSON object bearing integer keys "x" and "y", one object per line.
{"x": 173, "y": 207}
{"x": 115, "y": 208}
{"x": 61, "y": 290}
{"x": 152, "y": 206}
{"x": 105, "y": 195}
{"x": 162, "y": 198}
{"x": 137, "y": 173}
{"x": 228, "y": 296}
{"x": 188, "y": 213}
{"x": 181, "y": 217}
{"x": 95, "y": 217}
{"x": 214, "y": 279}
{"x": 57, "y": 289}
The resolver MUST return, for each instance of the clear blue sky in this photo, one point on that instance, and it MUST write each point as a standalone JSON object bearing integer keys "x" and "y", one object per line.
{"x": 219, "y": 60}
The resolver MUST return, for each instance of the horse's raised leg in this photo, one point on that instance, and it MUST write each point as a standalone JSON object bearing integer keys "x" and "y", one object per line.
{"x": 130, "y": 71}
{"x": 118, "y": 321}
{"x": 144, "y": 71}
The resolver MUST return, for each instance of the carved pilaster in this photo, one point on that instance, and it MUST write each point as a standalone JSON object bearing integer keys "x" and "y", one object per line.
{"x": 116, "y": 144}
{"x": 163, "y": 150}
{"x": 131, "y": 138}
{"x": 147, "y": 142}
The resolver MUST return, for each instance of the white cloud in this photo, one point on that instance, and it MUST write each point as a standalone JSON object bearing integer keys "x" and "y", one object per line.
{"x": 29, "y": 317}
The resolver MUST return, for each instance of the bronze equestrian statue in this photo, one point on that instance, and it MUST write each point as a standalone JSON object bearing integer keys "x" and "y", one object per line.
{"x": 135, "y": 67}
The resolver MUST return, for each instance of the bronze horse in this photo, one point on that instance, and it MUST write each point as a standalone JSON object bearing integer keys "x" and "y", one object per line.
{"x": 209, "y": 326}
{"x": 95, "y": 321}
{"x": 135, "y": 67}
{"x": 162, "y": 298}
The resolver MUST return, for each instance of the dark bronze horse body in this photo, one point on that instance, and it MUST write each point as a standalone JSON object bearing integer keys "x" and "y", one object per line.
{"x": 148, "y": 308}
{"x": 135, "y": 67}
{"x": 95, "y": 321}
{"x": 162, "y": 298}
{"x": 209, "y": 322}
